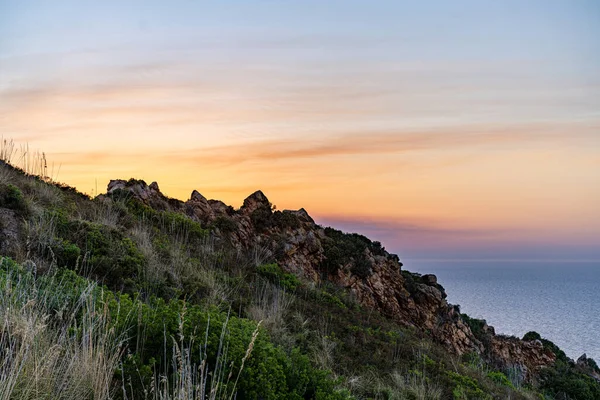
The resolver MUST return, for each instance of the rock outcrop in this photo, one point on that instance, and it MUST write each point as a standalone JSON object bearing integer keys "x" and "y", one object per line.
{"x": 374, "y": 276}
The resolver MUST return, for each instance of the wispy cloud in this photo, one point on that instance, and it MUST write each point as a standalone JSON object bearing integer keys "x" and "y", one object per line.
{"x": 380, "y": 143}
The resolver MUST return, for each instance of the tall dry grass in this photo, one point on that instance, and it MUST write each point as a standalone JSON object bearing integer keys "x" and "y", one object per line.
{"x": 52, "y": 346}
{"x": 270, "y": 304}
{"x": 191, "y": 380}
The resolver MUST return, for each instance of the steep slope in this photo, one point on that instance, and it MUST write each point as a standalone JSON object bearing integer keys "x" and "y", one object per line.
{"x": 374, "y": 276}
{"x": 341, "y": 315}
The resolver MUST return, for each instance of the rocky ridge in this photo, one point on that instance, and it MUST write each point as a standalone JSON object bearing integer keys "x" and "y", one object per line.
{"x": 374, "y": 276}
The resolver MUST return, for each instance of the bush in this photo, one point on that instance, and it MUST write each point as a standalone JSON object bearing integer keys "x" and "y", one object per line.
{"x": 500, "y": 378}
{"x": 160, "y": 337}
{"x": 476, "y": 326}
{"x": 466, "y": 387}
{"x": 362, "y": 267}
{"x": 342, "y": 249}
{"x": 275, "y": 274}
{"x": 12, "y": 197}
{"x": 531, "y": 335}
{"x": 224, "y": 224}
{"x": 561, "y": 382}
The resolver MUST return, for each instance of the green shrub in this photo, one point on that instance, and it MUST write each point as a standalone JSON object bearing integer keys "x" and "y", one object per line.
{"x": 209, "y": 336}
{"x": 67, "y": 253}
{"x": 476, "y": 326}
{"x": 560, "y": 355}
{"x": 532, "y": 335}
{"x": 12, "y": 197}
{"x": 561, "y": 381}
{"x": 275, "y": 274}
{"x": 466, "y": 387}
{"x": 285, "y": 220}
{"x": 332, "y": 299}
{"x": 341, "y": 249}
{"x": 500, "y": 378}
{"x": 224, "y": 224}
{"x": 362, "y": 267}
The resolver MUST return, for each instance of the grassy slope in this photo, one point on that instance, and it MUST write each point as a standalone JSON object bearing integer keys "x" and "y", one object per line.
{"x": 176, "y": 301}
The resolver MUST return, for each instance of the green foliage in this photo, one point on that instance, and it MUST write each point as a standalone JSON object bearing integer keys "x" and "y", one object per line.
{"x": 500, "y": 378}
{"x": 548, "y": 345}
{"x": 169, "y": 222}
{"x": 476, "y": 326}
{"x": 343, "y": 249}
{"x": 532, "y": 335}
{"x": 264, "y": 219}
{"x": 67, "y": 253}
{"x": 179, "y": 223}
{"x": 224, "y": 224}
{"x": 591, "y": 363}
{"x": 285, "y": 220}
{"x": 275, "y": 274}
{"x": 562, "y": 381}
{"x": 12, "y": 197}
{"x": 331, "y": 299}
{"x": 268, "y": 371}
{"x": 109, "y": 254}
{"x": 359, "y": 342}
{"x": 466, "y": 387}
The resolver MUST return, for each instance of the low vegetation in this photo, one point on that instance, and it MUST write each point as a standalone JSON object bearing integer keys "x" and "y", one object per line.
{"x": 107, "y": 298}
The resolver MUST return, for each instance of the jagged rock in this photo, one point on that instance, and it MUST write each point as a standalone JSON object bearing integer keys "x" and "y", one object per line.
{"x": 220, "y": 208}
{"x": 298, "y": 249}
{"x": 254, "y": 201}
{"x": 199, "y": 207}
{"x": 302, "y": 215}
{"x": 523, "y": 356}
{"x": 197, "y": 197}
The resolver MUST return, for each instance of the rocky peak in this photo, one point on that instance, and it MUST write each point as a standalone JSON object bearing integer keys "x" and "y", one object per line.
{"x": 137, "y": 187}
{"x": 197, "y": 197}
{"x": 373, "y": 275}
{"x": 255, "y": 201}
{"x": 148, "y": 194}
{"x": 302, "y": 214}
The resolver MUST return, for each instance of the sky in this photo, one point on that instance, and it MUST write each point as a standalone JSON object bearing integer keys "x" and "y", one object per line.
{"x": 444, "y": 129}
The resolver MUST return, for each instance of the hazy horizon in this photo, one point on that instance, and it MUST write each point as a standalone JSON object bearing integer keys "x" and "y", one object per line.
{"x": 445, "y": 130}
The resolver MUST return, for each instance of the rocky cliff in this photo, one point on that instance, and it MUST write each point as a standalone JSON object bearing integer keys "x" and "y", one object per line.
{"x": 374, "y": 276}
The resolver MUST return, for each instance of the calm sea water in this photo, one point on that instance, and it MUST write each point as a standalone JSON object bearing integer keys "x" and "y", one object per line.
{"x": 560, "y": 300}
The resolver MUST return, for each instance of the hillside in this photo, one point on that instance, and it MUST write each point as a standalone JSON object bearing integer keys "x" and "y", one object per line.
{"x": 133, "y": 295}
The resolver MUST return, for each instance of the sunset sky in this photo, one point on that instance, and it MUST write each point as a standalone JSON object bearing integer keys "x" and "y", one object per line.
{"x": 445, "y": 129}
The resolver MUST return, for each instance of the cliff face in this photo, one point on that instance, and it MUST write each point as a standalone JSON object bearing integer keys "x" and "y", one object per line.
{"x": 374, "y": 276}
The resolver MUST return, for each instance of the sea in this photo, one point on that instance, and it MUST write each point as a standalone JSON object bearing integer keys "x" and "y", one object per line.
{"x": 559, "y": 300}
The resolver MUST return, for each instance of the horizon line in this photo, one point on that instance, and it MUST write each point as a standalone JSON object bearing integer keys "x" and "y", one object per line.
{"x": 510, "y": 260}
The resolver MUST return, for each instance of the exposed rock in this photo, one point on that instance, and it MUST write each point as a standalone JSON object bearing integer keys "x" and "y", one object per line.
{"x": 524, "y": 357}
{"x": 197, "y": 197}
{"x": 199, "y": 207}
{"x": 150, "y": 195}
{"x": 298, "y": 248}
{"x": 302, "y": 215}
{"x": 254, "y": 201}
{"x": 589, "y": 366}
